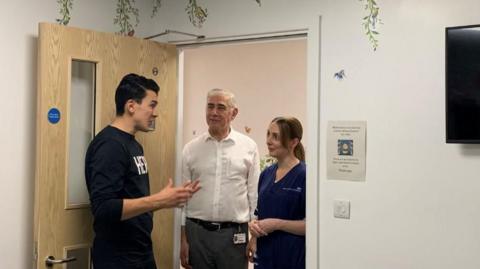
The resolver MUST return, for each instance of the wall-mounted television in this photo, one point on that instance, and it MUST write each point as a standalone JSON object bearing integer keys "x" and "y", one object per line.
{"x": 462, "y": 66}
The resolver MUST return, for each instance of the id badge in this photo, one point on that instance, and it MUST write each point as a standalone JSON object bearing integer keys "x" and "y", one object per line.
{"x": 239, "y": 238}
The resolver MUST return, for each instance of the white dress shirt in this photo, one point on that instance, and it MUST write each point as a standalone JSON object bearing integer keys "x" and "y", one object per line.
{"x": 228, "y": 171}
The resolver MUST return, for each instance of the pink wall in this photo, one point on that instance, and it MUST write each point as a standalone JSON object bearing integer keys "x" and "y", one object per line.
{"x": 268, "y": 79}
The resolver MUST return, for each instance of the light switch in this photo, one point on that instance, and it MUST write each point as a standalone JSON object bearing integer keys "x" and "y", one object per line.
{"x": 341, "y": 209}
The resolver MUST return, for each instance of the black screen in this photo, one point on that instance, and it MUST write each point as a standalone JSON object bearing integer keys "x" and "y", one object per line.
{"x": 463, "y": 84}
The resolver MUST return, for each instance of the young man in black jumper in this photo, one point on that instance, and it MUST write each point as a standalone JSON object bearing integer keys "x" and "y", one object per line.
{"x": 117, "y": 180}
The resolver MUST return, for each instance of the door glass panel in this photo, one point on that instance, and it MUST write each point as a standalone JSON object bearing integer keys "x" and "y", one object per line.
{"x": 82, "y": 255}
{"x": 81, "y": 129}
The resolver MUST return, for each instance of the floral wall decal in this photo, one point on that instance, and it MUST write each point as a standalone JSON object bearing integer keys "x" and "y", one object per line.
{"x": 126, "y": 12}
{"x": 156, "y": 6}
{"x": 65, "y": 8}
{"x": 127, "y": 15}
{"x": 371, "y": 21}
{"x": 196, "y": 13}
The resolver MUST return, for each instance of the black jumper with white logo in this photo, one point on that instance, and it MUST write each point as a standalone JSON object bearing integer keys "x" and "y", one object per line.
{"x": 115, "y": 169}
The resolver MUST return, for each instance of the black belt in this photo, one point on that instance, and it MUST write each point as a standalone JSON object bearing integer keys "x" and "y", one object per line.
{"x": 214, "y": 225}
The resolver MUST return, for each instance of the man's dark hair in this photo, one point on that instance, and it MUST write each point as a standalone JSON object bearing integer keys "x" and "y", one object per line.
{"x": 133, "y": 87}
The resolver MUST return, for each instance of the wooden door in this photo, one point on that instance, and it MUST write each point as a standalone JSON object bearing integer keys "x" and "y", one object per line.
{"x": 63, "y": 226}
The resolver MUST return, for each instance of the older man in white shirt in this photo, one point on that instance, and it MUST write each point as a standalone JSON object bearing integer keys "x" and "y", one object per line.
{"x": 215, "y": 220}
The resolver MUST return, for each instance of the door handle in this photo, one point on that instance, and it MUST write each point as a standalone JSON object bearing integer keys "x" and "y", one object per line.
{"x": 50, "y": 261}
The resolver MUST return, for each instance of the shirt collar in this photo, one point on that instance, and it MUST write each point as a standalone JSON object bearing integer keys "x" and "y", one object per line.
{"x": 232, "y": 136}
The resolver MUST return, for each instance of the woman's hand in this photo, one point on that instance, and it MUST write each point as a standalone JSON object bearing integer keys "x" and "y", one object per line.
{"x": 255, "y": 228}
{"x": 263, "y": 227}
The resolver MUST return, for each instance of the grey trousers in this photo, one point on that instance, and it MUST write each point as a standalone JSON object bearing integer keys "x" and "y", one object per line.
{"x": 215, "y": 249}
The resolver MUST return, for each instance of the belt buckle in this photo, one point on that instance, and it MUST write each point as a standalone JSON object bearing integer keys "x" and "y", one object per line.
{"x": 217, "y": 225}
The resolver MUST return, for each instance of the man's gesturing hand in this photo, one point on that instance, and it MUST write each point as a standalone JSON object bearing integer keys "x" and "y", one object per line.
{"x": 171, "y": 196}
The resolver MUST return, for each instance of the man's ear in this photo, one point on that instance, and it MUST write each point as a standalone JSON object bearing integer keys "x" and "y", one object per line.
{"x": 234, "y": 113}
{"x": 130, "y": 106}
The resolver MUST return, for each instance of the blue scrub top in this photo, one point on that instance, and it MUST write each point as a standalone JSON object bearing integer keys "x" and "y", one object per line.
{"x": 283, "y": 200}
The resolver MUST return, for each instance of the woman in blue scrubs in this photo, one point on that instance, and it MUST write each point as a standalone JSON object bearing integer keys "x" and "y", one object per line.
{"x": 278, "y": 235}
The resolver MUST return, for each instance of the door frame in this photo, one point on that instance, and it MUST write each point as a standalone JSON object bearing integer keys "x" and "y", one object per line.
{"x": 313, "y": 34}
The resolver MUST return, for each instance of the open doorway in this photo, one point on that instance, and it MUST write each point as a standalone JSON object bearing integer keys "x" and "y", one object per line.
{"x": 268, "y": 77}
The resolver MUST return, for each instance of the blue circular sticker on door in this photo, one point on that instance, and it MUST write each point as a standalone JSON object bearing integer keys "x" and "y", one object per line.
{"x": 53, "y": 115}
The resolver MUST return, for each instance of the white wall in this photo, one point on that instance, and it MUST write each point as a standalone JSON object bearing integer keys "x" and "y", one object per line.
{"x": 18, "y": 56}
{"x": 419, "y": 206}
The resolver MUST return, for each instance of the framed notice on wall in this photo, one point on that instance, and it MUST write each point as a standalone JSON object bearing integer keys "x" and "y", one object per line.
{"x": 346, "y": 150}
